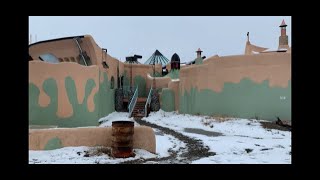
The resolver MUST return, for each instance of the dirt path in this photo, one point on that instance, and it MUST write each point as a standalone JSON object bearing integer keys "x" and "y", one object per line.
{"x": 194, "y": 148}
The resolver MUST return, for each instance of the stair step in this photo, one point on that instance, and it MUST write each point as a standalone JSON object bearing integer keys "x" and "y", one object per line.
{"x": 138, "y": 115}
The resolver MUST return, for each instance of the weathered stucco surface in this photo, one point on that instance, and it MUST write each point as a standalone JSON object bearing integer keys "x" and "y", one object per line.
{"x": 45, "y": 139}
{"x": 244, "y": 86}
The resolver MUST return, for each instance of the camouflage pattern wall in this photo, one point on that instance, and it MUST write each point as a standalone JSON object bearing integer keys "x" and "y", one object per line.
{"x": 68, "y": 94}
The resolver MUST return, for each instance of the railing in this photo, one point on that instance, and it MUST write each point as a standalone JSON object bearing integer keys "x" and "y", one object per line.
{"x": 133, "y": 101}
{"x": 81, "y": 52}
{"x": 147, "y": 103}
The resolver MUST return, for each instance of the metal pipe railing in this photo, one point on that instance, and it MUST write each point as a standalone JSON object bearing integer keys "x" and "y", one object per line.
{"x": 147, "y": 103}
{"x": 133, "y": 101}
{"x": 81, "y": 52}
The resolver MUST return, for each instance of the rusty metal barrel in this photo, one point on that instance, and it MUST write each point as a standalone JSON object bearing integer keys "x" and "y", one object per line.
{"x": 122, "y": 139}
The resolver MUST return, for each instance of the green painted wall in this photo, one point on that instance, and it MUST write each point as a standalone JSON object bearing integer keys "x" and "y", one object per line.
{"x": 137, "y": 80}
{"x": 167, "y": 100}
{"x": 141, "y": 83}
{"x": 244, "y": 100}
{"x": 174, "y": 74}
{"x": 103, "y": 100}
{"x": 106, "y": 97}
{"x": 126, "y": 80}
{"x": 54, "y": 143}
{"x": 199, "y": 60}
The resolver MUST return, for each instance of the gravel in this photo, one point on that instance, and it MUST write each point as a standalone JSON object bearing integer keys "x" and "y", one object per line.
{"x": 194, "y": 148}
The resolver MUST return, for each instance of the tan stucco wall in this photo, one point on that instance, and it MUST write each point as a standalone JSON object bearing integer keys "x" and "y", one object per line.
{"x": 68, "y": 48}
{"x": 103, "y": 57}
{"x": 161, "y": 82}
{"x": 289, "y": 50}
{"x": 174, "y": 86}
{"x": 143, "y": 138}
{"x": 168, "y": 67}
{"x": 141, "y": 69}
{"x": 250, "y": 48}
{"x": 40, "y": 71}
{"x": 212, "y": 58}
{"x": 65, "y": 48}
{"x": 275, "y": 67}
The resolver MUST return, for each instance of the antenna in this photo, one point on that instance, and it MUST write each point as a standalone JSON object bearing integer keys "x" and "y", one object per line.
{"x": 35, "y": 38}
{"x": 30, "y": 40}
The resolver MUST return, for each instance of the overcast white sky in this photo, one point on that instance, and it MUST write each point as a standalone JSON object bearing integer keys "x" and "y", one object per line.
{"x": 128, "y": 35}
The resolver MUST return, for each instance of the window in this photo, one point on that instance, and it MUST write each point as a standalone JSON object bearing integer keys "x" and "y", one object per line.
{"x": 112, "y": 82}
{"x": 60, "y": 60}
{"x": 66, "y": 59}
{"x": 72, "y": 59}
{"x": 49, "y": 58}
{"x": 87, "y": 59}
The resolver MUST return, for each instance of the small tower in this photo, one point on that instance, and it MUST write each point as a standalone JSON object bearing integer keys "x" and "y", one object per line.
{"x": 283, "y": 39}
{"x": 199, "y": 53}
{"x": 175, "y": 61}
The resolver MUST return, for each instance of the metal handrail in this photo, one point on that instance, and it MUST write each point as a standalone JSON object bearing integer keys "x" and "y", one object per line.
{"x": 147, "y": 103}
{"x": 133, "y": 101}
{"x": 81, "y": 52}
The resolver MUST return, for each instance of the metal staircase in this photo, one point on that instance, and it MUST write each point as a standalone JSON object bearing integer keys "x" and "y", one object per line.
{"x": 139, "y": 110}
{"x": 139, "y": 107}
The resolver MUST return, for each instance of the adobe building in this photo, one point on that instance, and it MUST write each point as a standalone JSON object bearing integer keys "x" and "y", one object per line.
{"x": 73, "y": 83}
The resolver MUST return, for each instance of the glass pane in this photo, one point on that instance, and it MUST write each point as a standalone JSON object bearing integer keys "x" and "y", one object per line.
{"x": 49, "y": 58}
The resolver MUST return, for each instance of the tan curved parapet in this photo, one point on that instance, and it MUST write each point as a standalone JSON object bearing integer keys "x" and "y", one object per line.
{"x": 40, "y": 71}
{"x": 250, "y": 48}
{"x": 212, "y": 58}
{"x": 67, "y": 48}
{"x": 275, "y": 67}
{"x": 101, "y": 57}
{"x": 161, "y": 82}
{"x": 40, "y": 139}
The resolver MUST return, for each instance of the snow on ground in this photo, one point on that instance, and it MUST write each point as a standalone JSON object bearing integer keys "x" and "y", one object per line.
{"x": 242, "y": 140}
{"x": 175, "y": 121}
{"x": 165, "y": 142}
{"x": 70, "y": 155}
{"x": 76, "y": 155}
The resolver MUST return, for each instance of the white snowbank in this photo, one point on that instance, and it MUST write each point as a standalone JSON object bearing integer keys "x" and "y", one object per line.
{"x": 265, "y": 146}
{"x": 75, "y": 155}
